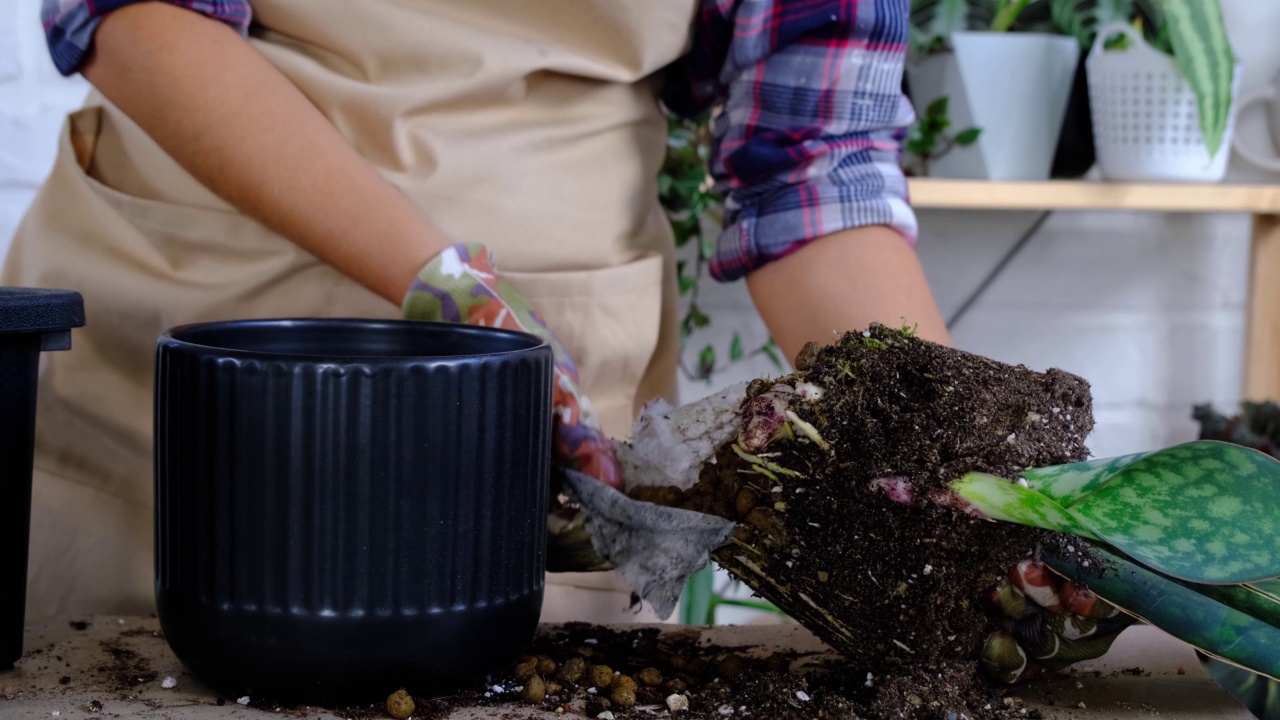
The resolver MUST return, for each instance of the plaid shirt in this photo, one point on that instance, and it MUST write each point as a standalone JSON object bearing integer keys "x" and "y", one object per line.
{"x": 813, "y": 117}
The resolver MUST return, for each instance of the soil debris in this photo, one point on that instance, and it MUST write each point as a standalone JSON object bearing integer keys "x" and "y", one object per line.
{"x": 837, "y": 480}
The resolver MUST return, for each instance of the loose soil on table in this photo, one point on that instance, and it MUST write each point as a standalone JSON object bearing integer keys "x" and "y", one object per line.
{"x": 895, "y": 587}
{"x": 716, "y": 681}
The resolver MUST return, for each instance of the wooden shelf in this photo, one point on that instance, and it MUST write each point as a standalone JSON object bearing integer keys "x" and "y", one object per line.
{"x": 939, "y": 193}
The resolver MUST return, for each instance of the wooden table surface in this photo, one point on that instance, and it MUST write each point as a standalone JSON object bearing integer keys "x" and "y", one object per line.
{"x": 57, "y": 652}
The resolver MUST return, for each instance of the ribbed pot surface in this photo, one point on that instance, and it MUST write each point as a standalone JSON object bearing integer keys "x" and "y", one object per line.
{"x": 348, "y": 507}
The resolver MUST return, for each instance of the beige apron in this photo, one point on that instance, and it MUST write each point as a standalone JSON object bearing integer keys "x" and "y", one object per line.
{"x": 531, "y": 127}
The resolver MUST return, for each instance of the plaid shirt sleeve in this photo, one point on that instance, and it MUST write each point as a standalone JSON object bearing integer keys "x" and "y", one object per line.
{"x": 69, "y": 25}
{"x": 812, "y": 124}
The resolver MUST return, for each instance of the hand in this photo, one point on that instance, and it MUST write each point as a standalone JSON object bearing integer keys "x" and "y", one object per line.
{"x": 1046, "y": 624}
{"x": 462, "y": 285}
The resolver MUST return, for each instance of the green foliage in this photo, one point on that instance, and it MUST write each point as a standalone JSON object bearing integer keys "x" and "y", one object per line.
{"x": 1194, "y": 34}
{"x": 1007, "y": 11}
{"x": 1155, "y": 29}
{"x": 934, "y": 21}
{"x": 928, "y": 139}
{"x": 1217, "y": 628}
{"x": 1186, "y": 539}
{"x": 1258, "y": 693}
{"x": 699, "y": 594}
{"x": 1202, "y": 511}
{"x": 701, "y": 601}
{"x": 689, "y": 199}
{"x": 1203, "y": 53}
{"x": 1082, "y": 18}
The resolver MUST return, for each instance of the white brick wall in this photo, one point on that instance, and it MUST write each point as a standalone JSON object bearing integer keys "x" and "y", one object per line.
{"x": 33, "y": 101}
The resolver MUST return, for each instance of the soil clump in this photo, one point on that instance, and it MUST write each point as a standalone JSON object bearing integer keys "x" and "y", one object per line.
{"x": 838, "y": 482}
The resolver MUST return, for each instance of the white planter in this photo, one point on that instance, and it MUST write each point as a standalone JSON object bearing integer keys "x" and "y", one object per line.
{"x": 1146, "y": 125}
{"x": 1014, "y": 87}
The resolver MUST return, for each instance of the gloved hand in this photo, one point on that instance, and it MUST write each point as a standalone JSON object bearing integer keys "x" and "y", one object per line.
{"x": 1046, "y": 623}
{"x": 462, "y": 285}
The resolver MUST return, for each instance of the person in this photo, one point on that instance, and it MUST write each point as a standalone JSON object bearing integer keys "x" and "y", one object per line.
{"x": 483, "y": 162}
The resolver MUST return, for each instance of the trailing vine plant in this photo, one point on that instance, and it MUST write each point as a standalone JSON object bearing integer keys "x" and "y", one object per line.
{"x": 686, "y": 191}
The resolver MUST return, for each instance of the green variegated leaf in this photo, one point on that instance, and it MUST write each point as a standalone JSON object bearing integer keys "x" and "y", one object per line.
{"x": 1257, "y": 692}
{"x": 1267, "y": 587}
{"x": 1000, "y": 499}
{"x": 1067, "y": 484}
{"x": 1203, "y": 511}
{"x": 1214, "y": 627}
{"x": 1203, "y": 52}
{"x": 1245, "y": 598}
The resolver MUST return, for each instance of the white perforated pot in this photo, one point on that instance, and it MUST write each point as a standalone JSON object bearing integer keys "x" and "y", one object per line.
{"x": 1146, "y": 126}
{"x": 1013, "y": 86}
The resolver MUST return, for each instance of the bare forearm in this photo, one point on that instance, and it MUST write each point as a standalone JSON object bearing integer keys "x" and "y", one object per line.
{"x": 842, "y": 282}
{"x": 243, "y": 130}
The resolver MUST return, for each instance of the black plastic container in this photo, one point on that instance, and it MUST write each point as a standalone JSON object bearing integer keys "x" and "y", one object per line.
{"x": 347, "y": 507}
{"x": 31, "y": 321}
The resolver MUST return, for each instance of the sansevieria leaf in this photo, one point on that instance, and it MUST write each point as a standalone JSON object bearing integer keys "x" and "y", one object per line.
{"x": 1259, "y": 693}
{"x": 1000, "y": 499}
{"x": 1214, "y": 627}
{"x": 1202, "y": 511}
{"x": 1203, "y": 52}
{"x": 1067, "y": 484}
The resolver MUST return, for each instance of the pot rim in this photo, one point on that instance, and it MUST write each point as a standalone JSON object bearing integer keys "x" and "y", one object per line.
{"x": 39, "y": 310}
{"x": 173, "y": 338}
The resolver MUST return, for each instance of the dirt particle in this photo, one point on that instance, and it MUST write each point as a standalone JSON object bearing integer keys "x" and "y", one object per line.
{"x": 623, "y": 682}
{"x": 623, "y": 697}
{"x": 399, "y": 704}
{"x": 526, "y": 670}
{"x": 534, "y": 691}
{"x": 95, "y": 706}
{"x": 650, "y": 677}
{"x": 79, "y": 625}
{"x": 731, "y": 665}
{"x": 600, "y": 676}
{"x": 64, "y": 680}
{"x": 546, "y": 666}
{"x": 676, "y": 703}
{"x": 572, "y": 670}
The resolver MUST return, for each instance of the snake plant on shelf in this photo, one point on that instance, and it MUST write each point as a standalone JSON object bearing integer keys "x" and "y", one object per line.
{"x": 1186, "y": 539}
{"x": 1194, "y": 34}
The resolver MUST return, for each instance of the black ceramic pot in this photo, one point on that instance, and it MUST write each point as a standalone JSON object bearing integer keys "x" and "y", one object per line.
{"x": 347, "y": 507}
{"x": 31, "y": 321}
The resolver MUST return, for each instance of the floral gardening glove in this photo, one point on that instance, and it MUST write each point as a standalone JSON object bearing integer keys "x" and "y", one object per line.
{"x": 1046, "y": 623}
{"x": 461, "y": 285}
